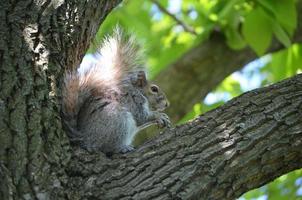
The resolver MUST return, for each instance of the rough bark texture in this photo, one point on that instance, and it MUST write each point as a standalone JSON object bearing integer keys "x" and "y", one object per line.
{"x": 206, "y": 66}
{"x": 38, "y": 39}
{"x": 228, "y": 151}
{"x": 244, "y": 144}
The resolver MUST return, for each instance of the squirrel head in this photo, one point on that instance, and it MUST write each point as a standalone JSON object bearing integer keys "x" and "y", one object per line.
{"x": 156, "y": 97}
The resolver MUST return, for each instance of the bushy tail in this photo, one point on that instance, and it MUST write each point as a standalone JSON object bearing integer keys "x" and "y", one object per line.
{"x": 121, "y": 53}
{"x": 71, "y": 101}
{"x": 117, "y": 56}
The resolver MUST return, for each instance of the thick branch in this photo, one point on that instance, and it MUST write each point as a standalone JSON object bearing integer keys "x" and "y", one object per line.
{"x": 241, "y": 145}
{"x": 206, "y": 66}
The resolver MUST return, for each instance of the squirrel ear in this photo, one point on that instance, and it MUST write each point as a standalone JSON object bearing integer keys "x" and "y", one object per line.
{"x": 141, "y": 80}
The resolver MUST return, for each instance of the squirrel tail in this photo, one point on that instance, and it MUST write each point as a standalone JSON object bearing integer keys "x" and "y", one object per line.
{"x": 117, "y": 56}
{"x": 71, "y": 93}
{"x": 120, "y": 54}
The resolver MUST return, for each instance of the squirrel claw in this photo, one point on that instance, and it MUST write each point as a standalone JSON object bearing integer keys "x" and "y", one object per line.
{"x": 163, "y": 121}
{"x": 126, "y": 149}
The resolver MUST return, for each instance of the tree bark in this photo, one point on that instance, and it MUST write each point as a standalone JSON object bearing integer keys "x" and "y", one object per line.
{"x": 239, "y": 146}
{"x": 38, "y": 40}
{"x": 206, "y": 65}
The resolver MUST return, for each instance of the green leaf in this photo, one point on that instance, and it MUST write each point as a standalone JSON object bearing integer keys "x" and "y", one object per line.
{"x": 284, "y": 11}
{"x": 234, "y": 39}
{"x": 267, "y": 4}
{"x": 296, "y": 52}
{"x": 284, "y": 63}
{"x": 281, "y": 35}
{"x": 231, "y": 31}
{"x": 230, "y": 85}
{"x": 164, "y": 3}
{"x": 228, "y": 8}
{"x": 286, "y": 14}
{"x": 257, "y": 30}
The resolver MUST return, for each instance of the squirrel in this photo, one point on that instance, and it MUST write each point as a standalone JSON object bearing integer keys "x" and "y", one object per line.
{"x": 105, "y": 104}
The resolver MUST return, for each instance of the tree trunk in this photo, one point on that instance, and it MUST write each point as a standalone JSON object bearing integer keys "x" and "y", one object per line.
{"x": 230, "y": 150}
{"x": 38, "y": 39}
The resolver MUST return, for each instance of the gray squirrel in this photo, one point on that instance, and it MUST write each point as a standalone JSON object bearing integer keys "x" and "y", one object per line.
{"x": 105, "y": 104}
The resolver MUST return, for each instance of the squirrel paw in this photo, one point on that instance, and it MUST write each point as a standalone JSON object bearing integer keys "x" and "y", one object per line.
{"x": 126, "y": 149}
{"x": 163, "y": 120}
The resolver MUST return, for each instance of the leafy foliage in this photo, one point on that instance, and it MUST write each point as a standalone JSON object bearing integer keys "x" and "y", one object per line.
{"x": 288, "y": 186}
{"x": 268, "y": 17}
{"x": 243, "y": 22}
{"x": 283, "y": 64}
{"x": 257, "y": 30}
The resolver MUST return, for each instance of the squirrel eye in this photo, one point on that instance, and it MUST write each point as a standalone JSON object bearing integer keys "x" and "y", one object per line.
{"x": 154, "y": 88}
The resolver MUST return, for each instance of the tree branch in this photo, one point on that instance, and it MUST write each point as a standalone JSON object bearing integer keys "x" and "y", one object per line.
{"x": 239, "y": 146}
{"x": 206, "y": 65}
{"x": 178, "y": 21}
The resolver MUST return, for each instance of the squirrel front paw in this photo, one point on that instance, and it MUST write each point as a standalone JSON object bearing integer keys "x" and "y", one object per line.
{"x": 163, "y": 120}
{"x": 126, "y": 149}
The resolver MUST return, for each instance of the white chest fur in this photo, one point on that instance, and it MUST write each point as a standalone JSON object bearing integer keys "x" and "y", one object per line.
{"x": 131, "y": 129}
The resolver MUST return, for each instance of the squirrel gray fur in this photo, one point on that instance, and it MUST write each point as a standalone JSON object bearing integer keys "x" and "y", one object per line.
{"x": 107, "y": 103}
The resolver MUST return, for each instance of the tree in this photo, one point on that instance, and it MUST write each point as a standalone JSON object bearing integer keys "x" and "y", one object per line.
{"x": 239, "y": 146}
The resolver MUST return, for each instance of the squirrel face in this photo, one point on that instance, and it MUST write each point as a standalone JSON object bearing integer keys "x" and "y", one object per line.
{"x": 156, "y": 97}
